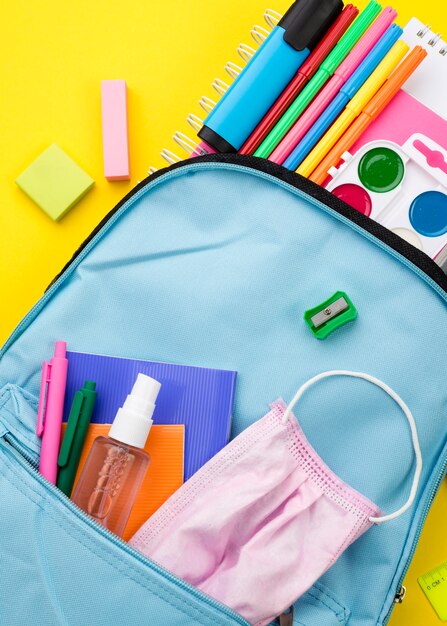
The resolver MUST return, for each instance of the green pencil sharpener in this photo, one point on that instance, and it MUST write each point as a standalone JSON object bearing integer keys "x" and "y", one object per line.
{"x": 330, "y": 315}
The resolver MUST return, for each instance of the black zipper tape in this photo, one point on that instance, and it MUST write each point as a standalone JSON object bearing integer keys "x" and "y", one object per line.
{"x": 415, "y": 256}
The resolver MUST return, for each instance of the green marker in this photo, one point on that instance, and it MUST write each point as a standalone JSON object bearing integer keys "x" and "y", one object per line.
{"x": 327, "y": 69}
{"x": 71, "y": 449}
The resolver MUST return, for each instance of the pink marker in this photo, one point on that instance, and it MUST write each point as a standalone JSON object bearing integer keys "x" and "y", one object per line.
{"x": 326, "y": 95}
{"x": 51, "y": 409}
{"x": 114, "y": 130}
{"x": 202, "y": 149}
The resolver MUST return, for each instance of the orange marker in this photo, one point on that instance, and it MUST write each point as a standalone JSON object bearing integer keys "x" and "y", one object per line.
{"x": 370, "y": 113}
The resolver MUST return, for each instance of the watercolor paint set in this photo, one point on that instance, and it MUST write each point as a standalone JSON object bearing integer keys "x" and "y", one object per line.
{"x": 404, "y": 188}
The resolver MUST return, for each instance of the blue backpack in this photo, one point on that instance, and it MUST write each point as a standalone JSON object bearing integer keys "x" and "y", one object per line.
{"x": 213, "y": 262}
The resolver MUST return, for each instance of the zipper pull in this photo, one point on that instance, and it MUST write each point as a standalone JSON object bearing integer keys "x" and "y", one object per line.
{"x": 286, "y": 618}
{"x": 400, "y": 595}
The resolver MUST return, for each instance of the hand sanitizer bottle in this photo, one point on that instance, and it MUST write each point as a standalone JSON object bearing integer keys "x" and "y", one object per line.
{"x": 117, "y": 464}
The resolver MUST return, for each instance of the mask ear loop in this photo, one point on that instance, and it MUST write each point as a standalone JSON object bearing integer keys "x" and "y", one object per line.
{"x": 405, "y": 409}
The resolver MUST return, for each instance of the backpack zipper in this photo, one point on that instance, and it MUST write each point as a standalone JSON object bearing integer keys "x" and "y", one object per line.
{"x": 30, "y": 463}
{"x": 400, "y": 595}
{"x": 401, "y": 589}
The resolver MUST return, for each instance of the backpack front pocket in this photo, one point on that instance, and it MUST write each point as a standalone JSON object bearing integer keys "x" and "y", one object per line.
{"x": 63, "y": 568}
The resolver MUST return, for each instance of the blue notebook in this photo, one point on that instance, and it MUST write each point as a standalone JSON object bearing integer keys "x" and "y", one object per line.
{"x": 200, "y": 398}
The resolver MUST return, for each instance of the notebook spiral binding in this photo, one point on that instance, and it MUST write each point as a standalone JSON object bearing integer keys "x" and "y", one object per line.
{"x": 195, "y": 122}
{"x": 245, "y": 52}
{"x": 207, "y": 104}
{"x": 259, "y": 34}
{"x": 220, "y": 86}
{"x": 233, "y": 70}
{"x": 435, "y": 38}
{"x": 272, "y": 18}
{"x": 169, "y": 156}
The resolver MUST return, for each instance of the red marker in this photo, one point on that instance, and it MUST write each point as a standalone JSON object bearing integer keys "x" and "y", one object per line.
{"x": 302, "y": 77}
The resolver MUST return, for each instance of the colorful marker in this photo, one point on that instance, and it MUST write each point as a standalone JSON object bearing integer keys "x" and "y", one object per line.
{"x": 346, "y": 94}
{"x": 354, "y": 108}
{"x": 50, "y": 411}
{"x": 327, "y": 69}
{"x": 341, "y": 75}
{"x": 270, "y": 70}
{"x": 371, "y": 111}
{"x": 301, "y": 78}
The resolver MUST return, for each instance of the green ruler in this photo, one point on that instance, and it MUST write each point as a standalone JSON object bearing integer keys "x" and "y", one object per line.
{"x": 434, "y": 585}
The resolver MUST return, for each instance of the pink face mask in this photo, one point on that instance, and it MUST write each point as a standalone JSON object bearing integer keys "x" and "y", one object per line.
{"x": 265, "y": 518}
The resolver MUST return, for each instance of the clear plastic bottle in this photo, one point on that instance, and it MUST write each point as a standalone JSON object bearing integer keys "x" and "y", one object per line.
{"x": 116, "y": 465}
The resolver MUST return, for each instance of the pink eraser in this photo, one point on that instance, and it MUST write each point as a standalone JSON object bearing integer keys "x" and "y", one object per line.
{"x": 114, "y": 129}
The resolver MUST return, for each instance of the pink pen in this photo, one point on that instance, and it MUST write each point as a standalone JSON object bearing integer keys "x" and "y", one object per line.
{"x": 326, "y": 95}
{"x": 50, "y": 411}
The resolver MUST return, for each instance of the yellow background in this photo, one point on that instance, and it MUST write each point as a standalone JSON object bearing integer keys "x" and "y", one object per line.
{"x": 54, "y": 55}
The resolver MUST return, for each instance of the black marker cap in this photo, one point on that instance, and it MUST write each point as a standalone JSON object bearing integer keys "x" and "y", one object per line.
{"x": 307, "y": 21}
{"x": 213, "y": 139}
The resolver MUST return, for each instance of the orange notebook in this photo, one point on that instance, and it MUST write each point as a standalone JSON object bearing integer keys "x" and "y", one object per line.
{"x": 165, "y": 445}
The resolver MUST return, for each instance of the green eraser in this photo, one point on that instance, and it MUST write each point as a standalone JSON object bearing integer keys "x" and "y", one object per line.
{"x": 55, "y": 182}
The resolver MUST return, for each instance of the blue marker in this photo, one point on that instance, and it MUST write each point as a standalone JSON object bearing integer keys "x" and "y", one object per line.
{"x": 268, "y": 73}
{"x": 346, "y": 94}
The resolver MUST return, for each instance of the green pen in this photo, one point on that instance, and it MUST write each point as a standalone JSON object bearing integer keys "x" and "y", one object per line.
{"x": 78, "y": 421}
{"x": 327, "y": 69}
